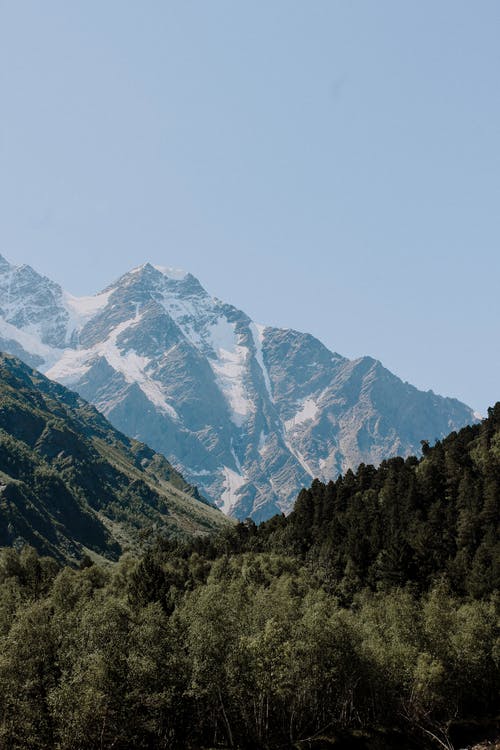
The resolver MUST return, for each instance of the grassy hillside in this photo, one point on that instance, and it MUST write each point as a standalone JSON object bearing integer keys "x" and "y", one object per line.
{"x": 70, "y": 484}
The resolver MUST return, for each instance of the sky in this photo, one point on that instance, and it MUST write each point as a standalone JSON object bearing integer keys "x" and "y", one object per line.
{"x": 328, "y": 166}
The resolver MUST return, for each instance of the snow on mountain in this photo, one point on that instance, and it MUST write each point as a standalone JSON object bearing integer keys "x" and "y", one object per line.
{"x": 82, "y": 309}
{"x": 172, "y": 273}
{"x": 248, "y": 413}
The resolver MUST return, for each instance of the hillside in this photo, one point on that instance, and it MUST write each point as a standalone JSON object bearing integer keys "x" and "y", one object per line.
{"x": 368, "y": 619}
{"x": 409, "y": 521}
{"x": 249, "y": 413}
{"x": 71, "y": 484}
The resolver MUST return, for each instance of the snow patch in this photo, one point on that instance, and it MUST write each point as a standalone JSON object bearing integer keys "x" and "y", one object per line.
{"x": 220, "y": 335}
{"x": 30, "y": 342}
{"x": 132, "y": 367}
{"x": 328, "y": 466}
{"x": 229, "y": 369}
{"x": 71, "y": 366}
{"x": 258, "y": 336}
{"x": 187, "y": 312}
{"x": 82, "y": 309}
{"x": 232, "y": 483}
{"x": 177, "y": 274}
{"x": 153, "y": 393}
{"x": 227, "y": 360}
{"x": 202, "y": 323}
{"x": 306, "y": 413}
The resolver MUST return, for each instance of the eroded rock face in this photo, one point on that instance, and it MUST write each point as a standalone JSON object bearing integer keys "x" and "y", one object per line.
{"x": 248, "y": 413}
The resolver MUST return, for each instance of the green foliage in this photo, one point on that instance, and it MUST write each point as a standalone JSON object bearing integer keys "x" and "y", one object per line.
{"x": 69, "y": 482}
{"x": 251, "y": 651}
{"x": 373, "y": 608}
{"x": 409, "y": 521}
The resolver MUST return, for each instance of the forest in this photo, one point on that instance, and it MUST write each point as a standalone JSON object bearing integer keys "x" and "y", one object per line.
{"x": 367, "y": 618}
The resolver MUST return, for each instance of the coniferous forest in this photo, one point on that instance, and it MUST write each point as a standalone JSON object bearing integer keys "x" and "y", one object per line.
{"x": 367, "y": 618}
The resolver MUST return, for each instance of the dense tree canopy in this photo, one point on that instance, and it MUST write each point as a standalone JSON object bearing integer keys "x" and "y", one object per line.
{"x": 246, "y": 651}
{"x": 408, "y": 521}
{"x": 369, "y": 616}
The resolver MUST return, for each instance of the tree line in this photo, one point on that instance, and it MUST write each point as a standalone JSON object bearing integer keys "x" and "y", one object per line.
{"x": 369, "y": 617}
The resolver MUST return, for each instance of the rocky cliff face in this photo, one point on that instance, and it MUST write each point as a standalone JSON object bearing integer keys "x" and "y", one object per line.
{"x": 248, "y": 413}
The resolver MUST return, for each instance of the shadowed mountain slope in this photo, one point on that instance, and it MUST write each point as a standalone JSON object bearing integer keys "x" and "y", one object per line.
{"x": 72, "y": 484}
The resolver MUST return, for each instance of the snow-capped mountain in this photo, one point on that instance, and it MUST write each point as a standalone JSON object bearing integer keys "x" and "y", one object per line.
{"x": 248, "y": 413}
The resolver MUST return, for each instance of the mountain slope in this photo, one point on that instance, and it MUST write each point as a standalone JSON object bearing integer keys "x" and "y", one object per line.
{"x": 248, "y": 413}
{"x": 413, "y": 520}
{"x": 70, "y": 482}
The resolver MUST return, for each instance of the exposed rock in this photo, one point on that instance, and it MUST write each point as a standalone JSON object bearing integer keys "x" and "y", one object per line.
{"x": 248, "y": 413}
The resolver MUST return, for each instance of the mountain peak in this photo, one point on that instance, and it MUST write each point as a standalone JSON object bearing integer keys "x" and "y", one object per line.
{"x": 176, "y": 274}
{"x": 171, "y": 273}
{"x": 174, "y": 282}
{"x": 249, "y": 414}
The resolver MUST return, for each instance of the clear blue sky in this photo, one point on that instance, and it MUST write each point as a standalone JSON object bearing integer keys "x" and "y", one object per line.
{"x": 329, "y": 166}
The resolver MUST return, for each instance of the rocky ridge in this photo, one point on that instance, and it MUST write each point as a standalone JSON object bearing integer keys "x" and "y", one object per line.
{"x": 246, "y": 412}
{"x": 71, "y": 484}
